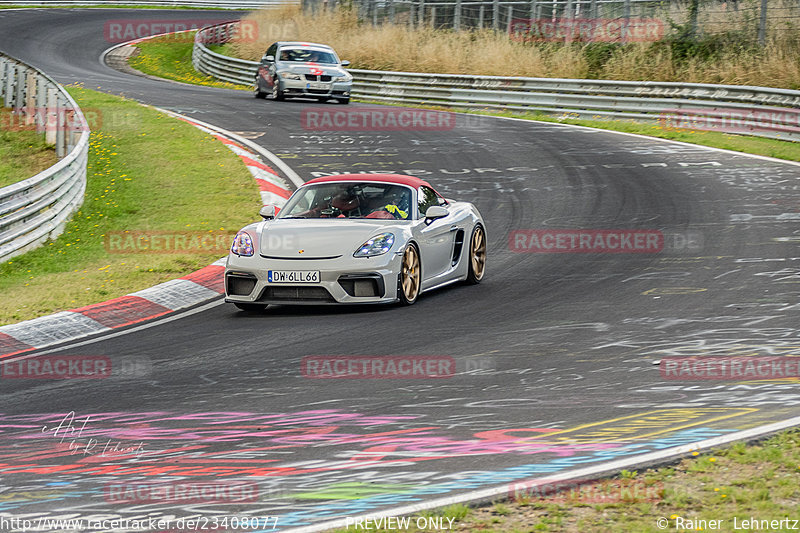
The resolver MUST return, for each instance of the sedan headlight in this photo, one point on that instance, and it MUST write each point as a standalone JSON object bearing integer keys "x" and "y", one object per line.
{"x": 242, "y": 244}
{"x": 377, "y": 245}
{"x": 287, "y": 75}
{"x": 344, "y": 77}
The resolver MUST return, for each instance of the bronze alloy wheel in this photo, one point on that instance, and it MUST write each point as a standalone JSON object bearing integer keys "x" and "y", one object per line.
{"x": 410, "y": 276}
{"x": 477, "y": 256}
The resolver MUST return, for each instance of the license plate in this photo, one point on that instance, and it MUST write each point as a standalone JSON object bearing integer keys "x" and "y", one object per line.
{"x": 318, "y": 85}
{"x": 293, "y": 276}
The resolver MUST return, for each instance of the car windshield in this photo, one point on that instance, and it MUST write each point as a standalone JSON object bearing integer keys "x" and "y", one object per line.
{"x": 305, "y": 55}
{"x": 350, "y": 200}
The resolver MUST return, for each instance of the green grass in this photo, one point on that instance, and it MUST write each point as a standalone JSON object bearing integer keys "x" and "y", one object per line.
{"x": 171, "y": 58}
{"x": 23, "y": 152}
{"x": 147, "y": 172}
{"x": 760, "y": 481}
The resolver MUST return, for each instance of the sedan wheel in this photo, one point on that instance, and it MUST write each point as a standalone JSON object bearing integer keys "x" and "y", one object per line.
{"x": 257, "y": 92}
{"x": 477, "y": 256}
{"x": 277, "y": 94}
{"x": 410, "y": 276}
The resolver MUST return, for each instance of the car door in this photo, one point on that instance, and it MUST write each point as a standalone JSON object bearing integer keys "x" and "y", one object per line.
{"x": 437, "y": 237}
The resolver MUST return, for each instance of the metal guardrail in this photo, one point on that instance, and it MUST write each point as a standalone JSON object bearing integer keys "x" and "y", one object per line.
{"x": 37, "y": 208}
{"x": 759, "y": 111}
{"x": 209, "y": 4}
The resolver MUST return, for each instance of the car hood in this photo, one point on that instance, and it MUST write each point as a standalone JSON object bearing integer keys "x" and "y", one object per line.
{"x": 317, "y": 239}
{"x": 311, "y": 68}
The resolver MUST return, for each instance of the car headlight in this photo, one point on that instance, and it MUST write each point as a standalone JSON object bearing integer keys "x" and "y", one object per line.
{"x": 344, "y": 77}
{"x": 242, "y": 244}
{"x": 287, "y": 75}
{"x": 377, "y": 245}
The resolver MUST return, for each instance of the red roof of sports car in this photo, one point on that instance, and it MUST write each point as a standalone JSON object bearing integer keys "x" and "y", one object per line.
{"x": 382, "y": 178}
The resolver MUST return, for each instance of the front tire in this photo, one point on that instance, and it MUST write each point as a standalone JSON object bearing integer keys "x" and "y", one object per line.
{"x": 344, "y": 100}
{"x": 257, "y": 92}
{"x": 477, "y": 256}
{"x": 410, "y": 278}
{"x": 250, "y": 308}
{"x": 277, "y": 94}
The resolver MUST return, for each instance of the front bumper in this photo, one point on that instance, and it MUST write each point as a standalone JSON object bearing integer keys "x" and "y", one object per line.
{"x": 344, "y": 280}
{"x": 334, "y": 89}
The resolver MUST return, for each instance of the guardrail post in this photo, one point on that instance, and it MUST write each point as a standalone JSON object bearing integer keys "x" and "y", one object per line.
{"x": 762, "y": 24}
{"x": 411, "y": 15}
{"x": 495, "y": 14}
{"x": 3, "y": 80}
{"x": 50, "y": 116}
{"x": 19, "y": 82}
{"x": 421, "y": 22}
{"x": 510, "y": 17}
{"x": 433, "y": 16}
{"x": 61, "y": 119}
{"x": 480, "y": 17}
{"x": 9, "y": 92}
{"x": 41, "y": 105}
{"x": 534, "y": 8}
{"x": 457, "y": 16}
{"x": 30, "y": 98}
{"x": 391, "y": 11}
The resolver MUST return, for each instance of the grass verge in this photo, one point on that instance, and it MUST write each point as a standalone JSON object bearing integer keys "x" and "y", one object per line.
{"x": 743, "y": 482}
{"x": 147, "y": 172}
{"x": 171, "y": 58}
{"x": 23, "y": 152}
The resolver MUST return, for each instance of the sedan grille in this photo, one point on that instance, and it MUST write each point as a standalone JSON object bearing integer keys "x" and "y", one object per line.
{"x": 314, "y": 77}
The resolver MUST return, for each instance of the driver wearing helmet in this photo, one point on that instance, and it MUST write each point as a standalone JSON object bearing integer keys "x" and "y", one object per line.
{"x": 398, "y": 204}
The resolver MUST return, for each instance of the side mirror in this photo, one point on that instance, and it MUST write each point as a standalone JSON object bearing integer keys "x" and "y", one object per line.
{"x": 268, "y": 59}
{"x": 436, "y": 211}
{"x": 268, "y": 212}
{"x": 345, "y": 63}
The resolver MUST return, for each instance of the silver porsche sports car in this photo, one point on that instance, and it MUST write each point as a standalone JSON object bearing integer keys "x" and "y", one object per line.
{"x": 356, "y": 238}
{"x": 306, "y": 70}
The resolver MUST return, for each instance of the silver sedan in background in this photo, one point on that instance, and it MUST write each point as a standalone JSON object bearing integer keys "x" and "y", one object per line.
{"x": 308, "y": 70}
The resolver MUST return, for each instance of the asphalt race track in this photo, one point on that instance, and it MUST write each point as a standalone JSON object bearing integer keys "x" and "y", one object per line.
{"x": 554, "y": 352}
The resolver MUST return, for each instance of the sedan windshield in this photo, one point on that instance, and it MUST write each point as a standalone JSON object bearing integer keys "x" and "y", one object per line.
{"x": 305, "y": 55}
{"x": 350, "y": 200}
